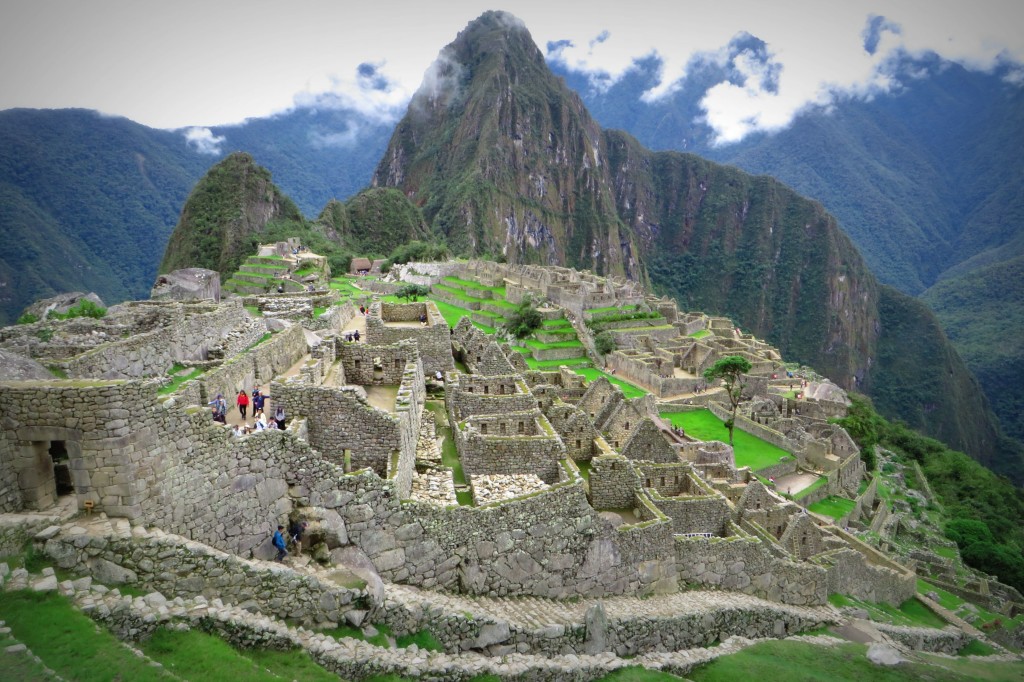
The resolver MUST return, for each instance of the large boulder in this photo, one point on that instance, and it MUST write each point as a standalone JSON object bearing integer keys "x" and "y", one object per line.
{"x": 186, "y": 284}
{"x": 14, "y": 367}
{"x": 61, "y": 303}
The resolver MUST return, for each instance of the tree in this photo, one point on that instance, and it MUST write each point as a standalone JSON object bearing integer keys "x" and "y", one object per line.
{"x": 412, "y": 292}
{"x": 604, "y": 343}
{"x": 730, "y": 370}
{"x": 525, "y": 320}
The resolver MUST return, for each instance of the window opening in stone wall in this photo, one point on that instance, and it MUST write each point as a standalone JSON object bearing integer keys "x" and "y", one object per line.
{"x": 501, "y": 427}
{"x": 61, "y": 467}
{"x": 522, "y": 427}
{"x": 483, "y": 428}
{"x": 579, "y": 443}
{"x": 487, "y": 390}
{"x": 399, "y": 365}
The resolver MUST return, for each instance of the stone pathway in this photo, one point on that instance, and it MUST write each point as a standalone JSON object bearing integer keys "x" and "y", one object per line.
{"x": 531, "y": 613}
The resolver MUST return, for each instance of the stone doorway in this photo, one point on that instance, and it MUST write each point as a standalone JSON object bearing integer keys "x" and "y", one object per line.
{"x": 49, "y": 462}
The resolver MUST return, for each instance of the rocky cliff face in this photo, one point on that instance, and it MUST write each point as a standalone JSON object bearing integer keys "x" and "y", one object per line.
{"x": 232, "y": 202}
{"x": 505, "y": 160}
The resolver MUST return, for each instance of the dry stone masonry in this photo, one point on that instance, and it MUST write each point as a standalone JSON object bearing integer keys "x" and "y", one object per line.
{"x": 562, "y": 492}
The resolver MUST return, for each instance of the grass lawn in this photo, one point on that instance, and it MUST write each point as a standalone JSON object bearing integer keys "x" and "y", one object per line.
{"x": 700, "y": 334}
{"x": 554, "y": 344}
{"x": 69, "y": 642}
{"x": 911, "y": 612}
{"x": 783, "y": 660}
{"x": 750, "y": 450}
{"x": 195, "y": 655}
{"x": 179, "y": 380}
{"x": 836, "y": 507}
{"x": 452, "y": 314}
{"x": 449, "y": 453}
{"x": 953, "y": 602}
{"x": 556, "y": 324}
{"x": 476, "y": 285}
{"x": 811, "y": 488}
{"x": 459, "y": 294}
{"x": 629, "y": 390}
{"x": 555, "y": 364}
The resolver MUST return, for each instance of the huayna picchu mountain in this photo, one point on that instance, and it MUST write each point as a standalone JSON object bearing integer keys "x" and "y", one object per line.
{"x": 504, "y": 159}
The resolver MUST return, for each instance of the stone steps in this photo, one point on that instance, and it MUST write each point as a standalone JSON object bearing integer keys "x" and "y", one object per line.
{"x": 532, "y": 613}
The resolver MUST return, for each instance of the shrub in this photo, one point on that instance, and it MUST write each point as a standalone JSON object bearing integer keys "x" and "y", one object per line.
{"x": 605, "y": 343}
{"x": 27, "y": 318}
{"x": 84, "y": 308}
{"x": 525, "y": 320}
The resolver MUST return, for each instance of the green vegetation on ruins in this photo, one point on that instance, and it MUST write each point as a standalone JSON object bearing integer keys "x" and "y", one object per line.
{"x": 749, "y": 450}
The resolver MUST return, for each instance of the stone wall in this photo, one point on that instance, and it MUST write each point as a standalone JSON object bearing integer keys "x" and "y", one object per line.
{"x": 260, "y": 364}
{"x": 433, "y": 339}
{"x": 194, "y": 329}
{"x": 851, "y": 574}
{"x": 342, "y": 419}
{"x": 114, "y": 427}
{"x": 695, "y": 509}
{"x": 10, "y": 491}
{"x": 576, "y": 431}
{"x": 613, "y": 482}
{"x": 512, "y": 453}
{"x": 741, "y": 562}
{"x": 357, "y": 359}
{"x": 178, "y": 568}
{"x": 468, "y": 395}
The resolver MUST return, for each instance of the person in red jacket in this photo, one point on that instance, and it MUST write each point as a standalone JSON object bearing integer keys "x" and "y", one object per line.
{"x": 243, "y": 402}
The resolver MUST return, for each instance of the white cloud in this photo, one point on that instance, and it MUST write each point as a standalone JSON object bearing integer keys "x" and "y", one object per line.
{"x": 203, "y": 140}
{"x": 157, "y": 64}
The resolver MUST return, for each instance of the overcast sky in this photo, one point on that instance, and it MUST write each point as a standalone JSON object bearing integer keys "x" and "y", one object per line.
{"x": 187, "y": 63}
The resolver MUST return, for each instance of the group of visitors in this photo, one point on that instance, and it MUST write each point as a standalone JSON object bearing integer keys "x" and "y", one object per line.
{"x": 243, "y": 401}
{"x": 352, "y": 336}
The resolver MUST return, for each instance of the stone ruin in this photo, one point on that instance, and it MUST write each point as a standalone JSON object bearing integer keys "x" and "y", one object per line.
{"x": 575, "y": 491}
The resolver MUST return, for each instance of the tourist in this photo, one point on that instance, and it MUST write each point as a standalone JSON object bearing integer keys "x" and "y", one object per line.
{"x": 438, "y": 375}
{"x": 423, "y": 319}
{"x": 258, "y": 399}
{"x": 261, "y": 421}
{"x": 272, "y": 425}
{"x": 280, "y": 288}
{"x": 297, "y": 530}
{"x": 278, "y": 542}
{"x": 243, "y": 403}
{"x": 239, "y": 431}
{"x": 279, "y": 416}
{"x": 362, "y": 310}
{"x": 220, "y": 409}
{"x": 355, "y": 335}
